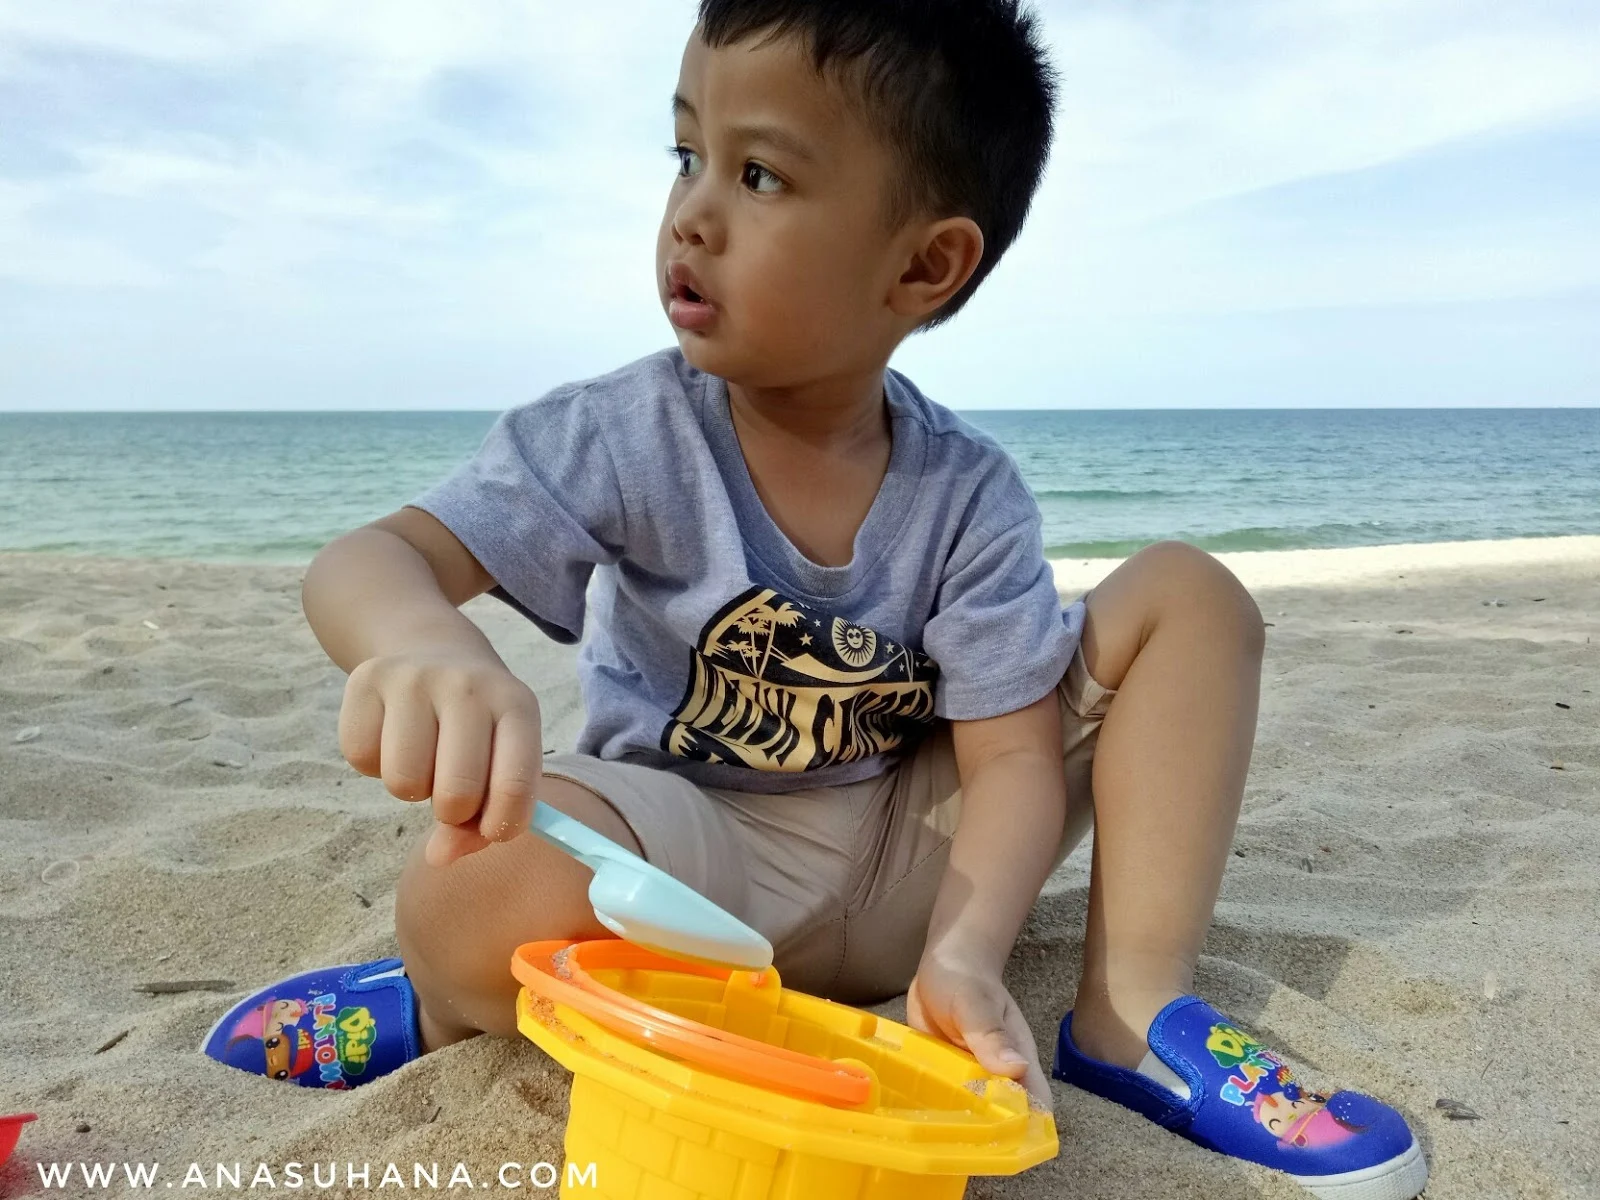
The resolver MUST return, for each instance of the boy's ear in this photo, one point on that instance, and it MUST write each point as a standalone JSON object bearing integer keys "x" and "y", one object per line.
{"x": 943, "y": 258}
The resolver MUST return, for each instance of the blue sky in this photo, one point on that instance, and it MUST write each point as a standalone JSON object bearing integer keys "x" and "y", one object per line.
{"x": 291, "y": 204}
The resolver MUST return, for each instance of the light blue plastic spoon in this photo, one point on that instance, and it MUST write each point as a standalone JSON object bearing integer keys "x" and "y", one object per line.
{"x": 647, "y": 906}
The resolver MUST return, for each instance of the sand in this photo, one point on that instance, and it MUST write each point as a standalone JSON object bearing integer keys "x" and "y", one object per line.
{"x": 1414, "y": 907}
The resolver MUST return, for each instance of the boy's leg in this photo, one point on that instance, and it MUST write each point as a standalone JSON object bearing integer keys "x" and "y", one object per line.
{"x": 1180, "y": 640}
{"x": 458, "y": 925}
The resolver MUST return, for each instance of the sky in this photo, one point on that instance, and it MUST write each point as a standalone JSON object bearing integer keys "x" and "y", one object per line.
{"x": 293, "y": 204}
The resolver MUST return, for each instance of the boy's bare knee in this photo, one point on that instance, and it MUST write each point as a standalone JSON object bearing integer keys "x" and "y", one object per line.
{"x": 1197, "y": 579}
{"x": 458, "y": 925}
{"x": 442, "y": 944}
{"x": 419, "y": 924}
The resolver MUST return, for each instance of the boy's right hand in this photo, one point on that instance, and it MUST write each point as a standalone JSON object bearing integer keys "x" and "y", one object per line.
{"x": 457, "y": 728}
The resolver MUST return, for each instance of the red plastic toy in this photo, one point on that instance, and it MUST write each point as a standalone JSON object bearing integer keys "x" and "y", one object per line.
{"x": 10, "y": 1131}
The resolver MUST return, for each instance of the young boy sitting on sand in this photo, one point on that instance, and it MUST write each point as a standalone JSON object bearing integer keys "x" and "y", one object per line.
{"x": 828, "y": 680}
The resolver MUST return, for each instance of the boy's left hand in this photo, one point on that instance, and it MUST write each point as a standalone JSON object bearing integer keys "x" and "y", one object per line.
{"x": 966, "y": 1004}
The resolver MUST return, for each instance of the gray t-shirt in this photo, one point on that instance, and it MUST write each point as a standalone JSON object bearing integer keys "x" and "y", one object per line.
{"x": 715, "y": 648}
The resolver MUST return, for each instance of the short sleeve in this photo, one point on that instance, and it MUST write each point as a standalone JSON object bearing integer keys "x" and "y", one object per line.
{"x": 998, "y": 632}
{"x": 540, "y": 506}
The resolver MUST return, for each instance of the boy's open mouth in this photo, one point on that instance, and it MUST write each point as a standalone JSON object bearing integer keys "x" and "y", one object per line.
{"x": 683, "y": 285}
{"x": 688, "y": 307}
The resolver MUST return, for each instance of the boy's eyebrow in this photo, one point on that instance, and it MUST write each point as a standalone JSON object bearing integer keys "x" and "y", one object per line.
{"x": 773, "y": 135}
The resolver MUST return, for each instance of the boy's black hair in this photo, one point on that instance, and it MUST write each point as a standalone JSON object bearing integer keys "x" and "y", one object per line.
{"x": 960, "y": 89}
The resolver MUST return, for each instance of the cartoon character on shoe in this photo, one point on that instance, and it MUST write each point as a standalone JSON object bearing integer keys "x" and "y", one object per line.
{"x": 333, "y": 1028}
{"x": 268, "y": 1029}
{"x": 1302, "y": 1121}
{"x": 1207, "y": 1080}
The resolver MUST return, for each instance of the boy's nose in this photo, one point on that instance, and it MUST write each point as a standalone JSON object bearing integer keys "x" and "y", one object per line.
{"x": 696, "y": 221}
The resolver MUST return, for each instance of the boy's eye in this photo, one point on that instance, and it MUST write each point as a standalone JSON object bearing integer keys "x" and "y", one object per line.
{"x": 755, "y": 173}
{"x": 687, "y": 159}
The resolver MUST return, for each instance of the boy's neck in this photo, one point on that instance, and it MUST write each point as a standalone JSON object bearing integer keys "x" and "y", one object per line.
{"x": 835, "y": 415}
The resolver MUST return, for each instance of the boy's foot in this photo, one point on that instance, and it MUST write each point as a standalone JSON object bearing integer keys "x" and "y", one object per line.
{"x": 333, "y": 1028}
{"x": 1209, "y": 1081}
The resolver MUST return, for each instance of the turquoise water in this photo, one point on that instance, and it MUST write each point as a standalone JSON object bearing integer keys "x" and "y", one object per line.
{"x": 277, "y": 486}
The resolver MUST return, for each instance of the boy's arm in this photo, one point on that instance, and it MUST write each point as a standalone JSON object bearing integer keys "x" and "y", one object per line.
{"x": 392, "y": 586}
{"x": 1012, "y": 811}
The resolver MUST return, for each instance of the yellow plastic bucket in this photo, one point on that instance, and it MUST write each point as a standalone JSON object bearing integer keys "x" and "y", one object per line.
{"x": 663, "y": 1115}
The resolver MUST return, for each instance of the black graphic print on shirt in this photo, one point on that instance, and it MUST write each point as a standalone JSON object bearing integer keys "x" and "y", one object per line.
{"x": 781, "y": 686}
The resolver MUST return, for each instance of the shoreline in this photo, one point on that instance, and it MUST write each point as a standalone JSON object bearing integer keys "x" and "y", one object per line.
{"x": 1353, "y": 565}
{"x": 1333, "y": 565}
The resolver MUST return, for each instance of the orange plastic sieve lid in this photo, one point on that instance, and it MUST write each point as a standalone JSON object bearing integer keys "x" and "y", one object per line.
{"x": 559, "y": 972}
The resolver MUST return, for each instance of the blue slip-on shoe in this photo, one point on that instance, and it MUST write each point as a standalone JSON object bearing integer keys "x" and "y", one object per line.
{"x": 1209, "y": 1081}
{"x": 337, "y": 1027}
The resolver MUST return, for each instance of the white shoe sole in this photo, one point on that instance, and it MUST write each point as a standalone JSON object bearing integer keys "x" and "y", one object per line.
{"x": 1401, "y": 1178}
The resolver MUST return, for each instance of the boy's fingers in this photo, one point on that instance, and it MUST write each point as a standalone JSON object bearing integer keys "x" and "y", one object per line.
{"x": 450, "y": 842}
{"x": 996, "y": 1033}
{"x": 914, "y": 1017}
{"x": 1033, "y": 1078}
{"x": 518, "y": 756}
{"x": 361, "y": 725}
{"x": 917, "y": 1015}
{"x": 410, "y": 733}
{"x": 994, "y": 1049}
{"x": 1021, "y": 1040}
{"x": 461, "y": 764}
{"x": 1038, "y": 1086}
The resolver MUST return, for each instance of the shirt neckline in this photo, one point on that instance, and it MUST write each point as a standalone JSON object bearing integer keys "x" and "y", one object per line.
{"x": 885, "y": 518}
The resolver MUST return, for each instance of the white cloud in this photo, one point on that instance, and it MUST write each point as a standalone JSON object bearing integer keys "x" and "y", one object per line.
{"x": 1171, "y": 104}
{"x": 64, "y": 259}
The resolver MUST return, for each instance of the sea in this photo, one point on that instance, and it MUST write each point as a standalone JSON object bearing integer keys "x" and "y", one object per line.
{"x": 275, "y": 487}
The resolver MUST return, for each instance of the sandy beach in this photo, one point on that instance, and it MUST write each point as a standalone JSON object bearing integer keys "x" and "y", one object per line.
{"x": 1412, "y": 908}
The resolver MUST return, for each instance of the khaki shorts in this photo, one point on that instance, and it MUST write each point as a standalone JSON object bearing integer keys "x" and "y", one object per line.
{"x": 841, "y": 880}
